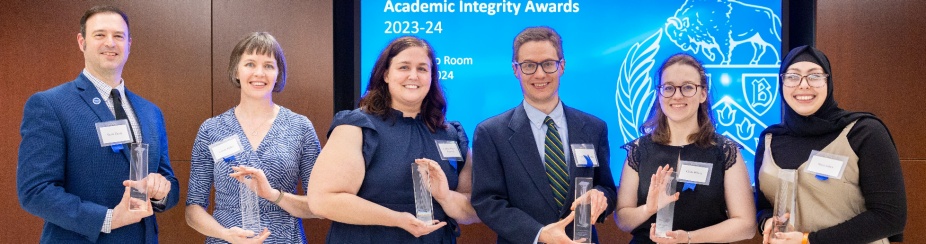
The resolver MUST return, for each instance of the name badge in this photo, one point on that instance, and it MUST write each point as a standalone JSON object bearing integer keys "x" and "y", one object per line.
{"x": 114, "y": 132}
{"x": 226, "y": 149}
{"x": 449, "y": 150}
{"x": 695, "y": 172}
{"x": 826, "y": 165}
{"x": 584, "y": 155}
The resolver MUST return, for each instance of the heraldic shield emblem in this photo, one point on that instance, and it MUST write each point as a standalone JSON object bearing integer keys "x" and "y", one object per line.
{"x": 739, "y": 45}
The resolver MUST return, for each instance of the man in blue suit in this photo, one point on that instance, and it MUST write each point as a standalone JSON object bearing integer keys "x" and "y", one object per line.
{"x": 523, "y": 170}
{"x": 65, "y": 176}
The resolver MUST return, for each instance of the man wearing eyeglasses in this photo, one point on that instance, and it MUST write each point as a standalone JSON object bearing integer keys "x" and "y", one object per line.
{"x": 525, "y": 164}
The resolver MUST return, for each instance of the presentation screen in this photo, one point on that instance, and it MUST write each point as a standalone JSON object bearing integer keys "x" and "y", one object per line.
{"x": 612, "y": 51}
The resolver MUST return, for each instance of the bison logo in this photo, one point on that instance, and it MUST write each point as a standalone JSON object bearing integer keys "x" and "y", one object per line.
{"x": 716, "y": 27}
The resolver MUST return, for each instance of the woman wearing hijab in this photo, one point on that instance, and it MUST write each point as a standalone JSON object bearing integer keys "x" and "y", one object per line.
{"x": 849, "y": 186}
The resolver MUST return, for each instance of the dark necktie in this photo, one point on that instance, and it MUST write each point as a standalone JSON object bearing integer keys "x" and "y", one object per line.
{"x": 119, "y": 111}
{"x": 555, "y": 163}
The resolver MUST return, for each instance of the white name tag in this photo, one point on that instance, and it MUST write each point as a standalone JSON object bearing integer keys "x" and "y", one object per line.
{"x": 114, "y": 132}
{"x": 227, "y": 147}
{"x": 825, "y": 164}
{"x": 449, "y": 150}
{"x": 695, "y": 172}
{"x": 584, "y": 155}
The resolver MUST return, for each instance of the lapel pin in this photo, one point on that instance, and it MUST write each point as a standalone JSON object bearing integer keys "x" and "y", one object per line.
{"x": 96, "y": 101}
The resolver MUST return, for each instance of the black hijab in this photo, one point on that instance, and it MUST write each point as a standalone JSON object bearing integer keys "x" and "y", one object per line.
{"x": 829, "y": 118}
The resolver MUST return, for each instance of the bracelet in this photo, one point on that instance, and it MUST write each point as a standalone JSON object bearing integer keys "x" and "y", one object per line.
{"x": 280, "y": 197}
{"x": 689, "y": 236}
{"x": 762, "y": 225}
{"x": 805, "y": 240}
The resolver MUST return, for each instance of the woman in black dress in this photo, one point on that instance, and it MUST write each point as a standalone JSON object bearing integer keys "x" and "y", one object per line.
{"x": 680, "y": 134}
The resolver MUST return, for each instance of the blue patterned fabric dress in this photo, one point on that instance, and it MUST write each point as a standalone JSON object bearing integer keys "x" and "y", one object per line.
{"x": 389, "y": 148}
{"x": 286, "y": 155}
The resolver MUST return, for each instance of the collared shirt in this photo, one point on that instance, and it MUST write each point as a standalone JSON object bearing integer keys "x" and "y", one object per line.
{"x": 539, "y": 129}
{"x": 104, "y": 90}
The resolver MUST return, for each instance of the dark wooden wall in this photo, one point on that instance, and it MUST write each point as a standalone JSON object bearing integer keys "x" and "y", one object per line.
{"x": 180, "y": 53}
{"x": 179, "y": 61}
{"x": 876, "y": 49}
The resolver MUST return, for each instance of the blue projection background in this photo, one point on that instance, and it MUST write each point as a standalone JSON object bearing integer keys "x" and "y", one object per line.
{"x": 612, "y": 50}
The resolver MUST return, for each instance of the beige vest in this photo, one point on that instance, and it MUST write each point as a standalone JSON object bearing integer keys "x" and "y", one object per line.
{"x": 819, "y": 204}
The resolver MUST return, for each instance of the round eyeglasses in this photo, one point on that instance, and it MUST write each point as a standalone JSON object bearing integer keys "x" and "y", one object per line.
{"x": 792, "y": 80}
{"x": 549, "y": 66}
{"x": 688, "y": 90}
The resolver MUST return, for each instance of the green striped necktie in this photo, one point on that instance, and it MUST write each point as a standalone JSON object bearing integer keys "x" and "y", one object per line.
{"x": 555, "y": 162}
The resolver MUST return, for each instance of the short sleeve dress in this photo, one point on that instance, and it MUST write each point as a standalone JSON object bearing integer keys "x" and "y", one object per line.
{"x": 286, "y": 155}
{"x": 390, "y": 146}
{"x": 698, "y": 208}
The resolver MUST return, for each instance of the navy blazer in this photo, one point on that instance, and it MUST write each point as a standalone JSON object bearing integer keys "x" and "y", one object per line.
{"x": 511, "y": 193}
{"x": 67, "y": 179}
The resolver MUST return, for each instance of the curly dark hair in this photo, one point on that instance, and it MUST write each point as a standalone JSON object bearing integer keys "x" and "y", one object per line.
{"x": 378, "y": 101}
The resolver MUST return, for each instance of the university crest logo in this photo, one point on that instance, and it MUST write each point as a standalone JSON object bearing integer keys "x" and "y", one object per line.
{"x": 739, "y": 46}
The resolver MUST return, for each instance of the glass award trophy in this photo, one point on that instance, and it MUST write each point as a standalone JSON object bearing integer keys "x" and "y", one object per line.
{"x": 665, "y": 215}
{"x": 582, "y": 224}
{"x": 783, "y": 220}
{"x": 249, "y": 202}
{"x": 421, "y": 182}
{"x": 138, "y": 172}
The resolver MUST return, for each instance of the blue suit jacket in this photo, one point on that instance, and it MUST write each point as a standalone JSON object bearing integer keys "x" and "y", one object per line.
{"x": 67, "y": 179}
{"x": 511, "y": 193}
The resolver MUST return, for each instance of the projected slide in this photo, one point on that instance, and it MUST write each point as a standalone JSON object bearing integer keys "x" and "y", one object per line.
{"x": 612, "y": 50}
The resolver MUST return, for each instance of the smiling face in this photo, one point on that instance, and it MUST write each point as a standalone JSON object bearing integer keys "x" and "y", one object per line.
{"x": 804, "y": 99}
{"x": 409, "y": 78}
{"x": 540, "y": 89}
{"x": 679, "y": 108}
{"x": 258, "y": 74}
{"x": 106, "y": 44}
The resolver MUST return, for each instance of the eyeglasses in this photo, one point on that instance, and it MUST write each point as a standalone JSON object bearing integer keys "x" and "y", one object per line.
{"x": 549, "y": 66}
{"x": 688, "y": 90}
{"x": 794, "y": 80}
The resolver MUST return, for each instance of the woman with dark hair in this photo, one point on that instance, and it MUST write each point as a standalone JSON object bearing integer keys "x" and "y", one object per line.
{"x": 863, "y": 199}
{"x": 679, "y": 134}
{"x": 363, "y": 178}
{"x": 278, "y": 148}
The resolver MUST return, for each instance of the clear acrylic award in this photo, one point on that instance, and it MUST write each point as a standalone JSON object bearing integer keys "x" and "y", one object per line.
{"x": 421, "y": 182}
{"x": 249, "y": 202}
{"x": 138, "y": 172}
{"x": 783, "y": 220}
{"x": 582, "y": 224}
{"x": 665, "y": 215}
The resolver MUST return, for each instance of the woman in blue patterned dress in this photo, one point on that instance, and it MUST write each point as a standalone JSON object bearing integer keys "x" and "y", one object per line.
{"x": 363, "y": 179}
{"x": 278, "y": 149}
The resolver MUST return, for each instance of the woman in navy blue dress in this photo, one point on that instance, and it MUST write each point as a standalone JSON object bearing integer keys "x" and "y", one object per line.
{"x": 273, "y": 139}
{"x": 363, "y": 180}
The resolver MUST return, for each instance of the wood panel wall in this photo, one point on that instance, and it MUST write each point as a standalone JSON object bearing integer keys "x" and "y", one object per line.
{"x": 180, "y": 55}
{"x": 876, "y": 49}
{"x": 179, "y": 60}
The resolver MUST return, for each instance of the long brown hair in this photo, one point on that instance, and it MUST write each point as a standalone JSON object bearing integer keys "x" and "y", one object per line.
{"x": 657, "y": 124}
{"x": 378, "y": 101}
